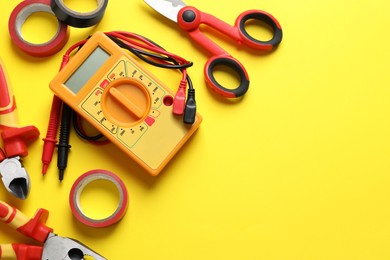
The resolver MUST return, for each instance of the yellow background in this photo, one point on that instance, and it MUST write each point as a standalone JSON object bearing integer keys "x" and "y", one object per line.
{"x": 297, "y": 169}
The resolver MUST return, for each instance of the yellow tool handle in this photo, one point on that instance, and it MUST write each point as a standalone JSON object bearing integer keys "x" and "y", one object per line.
{"x": 8, "y": 112}
{"x": 12, "y": 216}
{"x": 16, "y": 219}
{"x": 20, "y": 252}
{"x": 7, "y": 252}
{"x": 32, "y": 227}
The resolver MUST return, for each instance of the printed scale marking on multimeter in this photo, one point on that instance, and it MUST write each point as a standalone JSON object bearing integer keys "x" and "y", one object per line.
{"x": 124, "y": 101}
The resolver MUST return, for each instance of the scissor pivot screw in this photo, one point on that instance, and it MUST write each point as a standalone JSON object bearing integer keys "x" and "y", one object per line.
{"x": 189, "y": 16}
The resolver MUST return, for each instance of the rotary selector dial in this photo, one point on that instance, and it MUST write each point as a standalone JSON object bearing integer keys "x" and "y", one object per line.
{"x": 126, "y": 102}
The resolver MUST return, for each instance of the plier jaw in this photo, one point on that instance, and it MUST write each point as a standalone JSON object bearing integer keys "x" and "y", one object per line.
{"x": 14, "y": 176}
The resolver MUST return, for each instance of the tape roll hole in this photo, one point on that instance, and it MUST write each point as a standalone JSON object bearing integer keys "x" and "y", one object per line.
{"x": 33, "y": 17}
{"x": 99, "y": 199}
{"x": 82, "y": 7}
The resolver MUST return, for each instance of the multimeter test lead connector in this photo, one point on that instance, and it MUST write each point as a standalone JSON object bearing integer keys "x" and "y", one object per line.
{"x": 183, "y": 106}
{"x": 190, "y": 108}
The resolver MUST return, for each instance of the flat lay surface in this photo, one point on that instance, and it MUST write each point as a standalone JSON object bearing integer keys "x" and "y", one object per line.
{"x": 297, "y": 168}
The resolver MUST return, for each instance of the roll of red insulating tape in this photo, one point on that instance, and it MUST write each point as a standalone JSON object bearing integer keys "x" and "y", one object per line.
{"x": 18, "y": 17}
{"x": 78, "y": 19}
{"x": 82, "y": 182}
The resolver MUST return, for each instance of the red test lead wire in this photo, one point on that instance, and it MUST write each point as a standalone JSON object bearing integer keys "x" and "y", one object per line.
{"x": 51, "y": 134}
{"x": 137, "y": 41}
{"x": 52, "y": 128}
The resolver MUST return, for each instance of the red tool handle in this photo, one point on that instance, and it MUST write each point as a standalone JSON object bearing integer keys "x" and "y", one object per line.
{"x": 8, "y": 113}
{"x": 15, "y": 138}
{"x": 34, "y": 228}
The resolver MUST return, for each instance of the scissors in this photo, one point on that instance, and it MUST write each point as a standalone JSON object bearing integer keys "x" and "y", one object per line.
{"x": 54, "y": 247}
{"x": 189, "y": 19}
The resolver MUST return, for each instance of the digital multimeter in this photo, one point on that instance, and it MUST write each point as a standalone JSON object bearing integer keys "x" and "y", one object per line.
{"x": 124, "y": 101}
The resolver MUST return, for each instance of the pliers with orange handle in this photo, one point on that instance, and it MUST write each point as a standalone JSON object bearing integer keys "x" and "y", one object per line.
{"x": 54, "y": 247}
{"x": 15, "y": 140}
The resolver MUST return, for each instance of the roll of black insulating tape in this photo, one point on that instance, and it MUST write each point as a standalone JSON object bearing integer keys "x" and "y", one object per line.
{"x": 78, "y": 19}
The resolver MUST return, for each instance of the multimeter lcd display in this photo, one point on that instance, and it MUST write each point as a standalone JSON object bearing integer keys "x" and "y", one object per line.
{"x": 87, "y": 69}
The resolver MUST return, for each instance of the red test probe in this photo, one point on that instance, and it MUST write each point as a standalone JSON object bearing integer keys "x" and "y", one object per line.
{"x": 52, "y": 128}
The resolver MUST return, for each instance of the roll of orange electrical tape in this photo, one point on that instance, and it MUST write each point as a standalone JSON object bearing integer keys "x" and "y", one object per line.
{"x": 19, "y": 16}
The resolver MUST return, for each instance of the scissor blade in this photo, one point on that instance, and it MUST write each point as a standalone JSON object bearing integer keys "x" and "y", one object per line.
{"x": 168, "y": 8}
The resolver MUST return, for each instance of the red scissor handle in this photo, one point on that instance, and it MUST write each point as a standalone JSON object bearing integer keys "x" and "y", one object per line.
{"x": 189, "y": 19}
{"x": 235, "y": 65}
{"x": 267, "y": 19}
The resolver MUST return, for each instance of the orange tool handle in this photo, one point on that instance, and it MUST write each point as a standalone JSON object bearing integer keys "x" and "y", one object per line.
{"x": 34, "y": 228}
